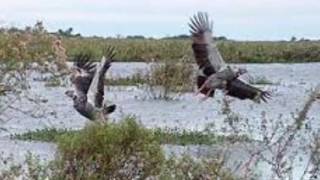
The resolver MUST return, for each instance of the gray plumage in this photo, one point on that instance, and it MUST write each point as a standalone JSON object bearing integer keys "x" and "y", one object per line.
{"x": 220, "y": 79}
{"x": 88, "y": 80}
{"x": 201, "y": 30}
{"x": 213, "y": 73}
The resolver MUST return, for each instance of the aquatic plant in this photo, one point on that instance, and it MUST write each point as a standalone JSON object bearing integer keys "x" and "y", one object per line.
{"x": 260, "y": 80}
{"x": 125, "y": 150}
{"x": 167, "y": 77}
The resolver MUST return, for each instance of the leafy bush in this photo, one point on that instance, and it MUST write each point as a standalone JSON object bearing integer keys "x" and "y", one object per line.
{"x": 162, "y": 79}
{"x": 187, "y": 168}
{"x": 169, "y": 77}
{"x": 135, "y": 79}
{"x": 124, "y": 151}
{"x": 32, "y": 44}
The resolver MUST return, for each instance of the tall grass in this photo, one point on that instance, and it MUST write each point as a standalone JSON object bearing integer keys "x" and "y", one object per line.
{"x": 175, "y": 49}
{"x": 36, "y": 43}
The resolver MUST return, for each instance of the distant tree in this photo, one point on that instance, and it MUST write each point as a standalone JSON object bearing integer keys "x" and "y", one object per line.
{"x": 39, "y": 27}
{"x": 118, "y": 36}
{"x": 135, "y": 37}
{"x": 185, "y": 36}
{"x": 68, "y": 33}
{"x": 181, "y": 36}
{"x": 60, "y": 32}
{"x": 293, "y": 39}
{"x": 28, "y": 28}
{"x": 221, "y": 38}
{"x": 304, "y": 40}
{"x": 13, "y": 30}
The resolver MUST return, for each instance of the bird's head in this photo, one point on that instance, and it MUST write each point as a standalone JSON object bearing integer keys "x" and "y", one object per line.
{"x": 241, "y": 71}
{"x": 71, "y": 94}
{"x": 75, "y": 71}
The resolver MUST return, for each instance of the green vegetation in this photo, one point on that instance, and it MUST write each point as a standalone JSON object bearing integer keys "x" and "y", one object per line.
{"x": 32, "y": 168}
{"x": 125, "y": 150}
{"x": 190, "y": 169}
{"x": 130, "y": 49}
{"x": 162, "y": 136}
{"x": 36, "y": 44}
{"x": 45, "y": 135}
{"x": 53, "y": 82}
{"x": 172, "y": 76}
{"x": 175, "y": 49}
{"x": 137, "y": 78}
{"x": 122, "y": 151}
{"x": 261, "y": 80}
{"x": 172, "y": 136}
{"x": 162, "y": 79}
{"x": 31, "y": 44}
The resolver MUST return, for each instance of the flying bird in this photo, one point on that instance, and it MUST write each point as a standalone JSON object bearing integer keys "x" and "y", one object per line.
{"x": 213, "y": 73}
{"x": 88, "y": 81}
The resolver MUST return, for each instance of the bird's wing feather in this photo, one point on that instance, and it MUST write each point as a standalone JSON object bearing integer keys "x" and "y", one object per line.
{"x": 210, "y": 61}
{"x": 96, "y": 90}
{"x": 83, "y": 73}
{"x": 241, "y": 90}
{"x": 206, "y": 53}
{"x": 204, "y": 48}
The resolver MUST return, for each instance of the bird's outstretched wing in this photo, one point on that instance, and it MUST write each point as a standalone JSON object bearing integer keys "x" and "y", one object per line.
{"x": 241, "y": 90}
{"x": 83, "y": 71}
{"x": 96, "y": 90}
{"x": 206, "y": 54}
{"x": 204, "y": 48}
{"x": 210, "y": 61}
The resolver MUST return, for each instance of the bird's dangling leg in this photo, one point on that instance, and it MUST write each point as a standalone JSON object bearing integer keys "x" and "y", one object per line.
{"x": 206, "y": 84}
{"x": 202, "y": 87}
{"x": 224, "y": 87}
{"x": 207, "y": 95}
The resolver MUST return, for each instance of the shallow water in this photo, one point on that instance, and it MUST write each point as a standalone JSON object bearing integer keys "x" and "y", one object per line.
{"x": 292, "y": 84}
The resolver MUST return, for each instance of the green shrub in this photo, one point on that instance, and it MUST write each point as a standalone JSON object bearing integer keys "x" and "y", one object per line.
{"x": 170, "y": 77}
{"x": 122, "y": 151}
{"x": 30, "y": 45}
{"x": 186, "y": 168}
{"x": 135, "y": 79}
{"x": 261, "y": 80}
{"x": 125, "y": 150}
{"x": 162, "y": 79}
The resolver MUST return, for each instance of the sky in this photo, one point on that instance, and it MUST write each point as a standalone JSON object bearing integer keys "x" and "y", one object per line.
{"x": 235, "y": 19}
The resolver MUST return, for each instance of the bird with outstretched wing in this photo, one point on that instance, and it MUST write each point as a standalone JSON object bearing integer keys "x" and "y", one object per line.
{"x": 88, "y": 80}
{"x": 213, "y": 72}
